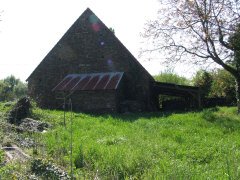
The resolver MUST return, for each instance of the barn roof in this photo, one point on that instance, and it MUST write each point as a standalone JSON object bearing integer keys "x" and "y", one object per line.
{"x": 90, "y": 81}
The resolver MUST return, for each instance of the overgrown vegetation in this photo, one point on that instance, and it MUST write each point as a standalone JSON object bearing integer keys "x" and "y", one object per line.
{"x": 216, "y": 83}
{"x": 145, "y": 146}
{"x": 193, "y": 145}
{"x": 169, "y": 76}
{"x": 12, "y": 88}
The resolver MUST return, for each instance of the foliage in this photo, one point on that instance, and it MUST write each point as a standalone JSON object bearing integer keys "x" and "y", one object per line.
{"x": 204, "y": 80}
{"x": 148, "y": 146}
{"x": 198, "y": 32}
{"x": 12, "y": 88}
{"x": 171, "y": 77}
{"x": 189, "y": 30}
{"x": 47, "y": 170}
{"x": 79, "y": 159}
{"x": 112, "y": 30}
{"x": 234, "y": 41}
{"x": 223, "y": 85}
{"x": 193, "y": 145}
{"x": 1, "y": 156}
{"x": 218, "y": 83}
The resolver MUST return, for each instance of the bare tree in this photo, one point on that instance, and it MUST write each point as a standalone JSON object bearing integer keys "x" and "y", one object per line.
{"x": 197, "y": 31}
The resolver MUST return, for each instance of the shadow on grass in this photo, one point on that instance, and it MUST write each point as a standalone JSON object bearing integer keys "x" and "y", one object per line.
{"x": 226, "y": 121}
{"x": 131, "y": 117}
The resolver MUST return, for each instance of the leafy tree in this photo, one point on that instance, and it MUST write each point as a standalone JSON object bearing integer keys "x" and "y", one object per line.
{"x": 11, "y": 81}
{"x": 12, "y": 88}
{"x": 218, "y": 83}
{"x": 204, "y": 80}
{"x": 223, "y": 85}
{"x": 198, "y": 31}
{"x": 169, "y": 76}
{"x": 20, "y": 90}
{"x": 5, "y": 93}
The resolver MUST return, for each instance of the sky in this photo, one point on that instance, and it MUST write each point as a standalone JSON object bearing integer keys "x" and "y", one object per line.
{"x": 30, "y": 28}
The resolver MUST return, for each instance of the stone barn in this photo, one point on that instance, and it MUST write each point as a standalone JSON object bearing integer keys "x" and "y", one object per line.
{"x": 90, "y": 65}
{"x": 93, "y": 68}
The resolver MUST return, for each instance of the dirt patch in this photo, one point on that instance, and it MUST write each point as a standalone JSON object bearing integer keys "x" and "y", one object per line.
{"x": 14, "y": 153}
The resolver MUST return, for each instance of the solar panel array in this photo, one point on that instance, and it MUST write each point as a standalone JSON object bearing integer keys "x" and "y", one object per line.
{"x": 92, "y": 81}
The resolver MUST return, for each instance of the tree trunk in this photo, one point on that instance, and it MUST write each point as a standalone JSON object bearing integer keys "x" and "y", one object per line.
{"x": 238, "y": 94}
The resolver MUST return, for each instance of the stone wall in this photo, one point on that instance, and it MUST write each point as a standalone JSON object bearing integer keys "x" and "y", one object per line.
{"x": 94, "y": 101}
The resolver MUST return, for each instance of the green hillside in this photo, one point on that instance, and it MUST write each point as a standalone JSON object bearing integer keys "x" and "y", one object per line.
{"x": 194, "y": 145}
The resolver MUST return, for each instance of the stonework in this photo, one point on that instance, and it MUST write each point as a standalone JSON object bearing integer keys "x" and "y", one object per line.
{"x": 90, "y": 47}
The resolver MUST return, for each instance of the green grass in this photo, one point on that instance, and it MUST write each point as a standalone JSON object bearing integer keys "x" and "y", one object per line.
{"x": 194, "y": 145}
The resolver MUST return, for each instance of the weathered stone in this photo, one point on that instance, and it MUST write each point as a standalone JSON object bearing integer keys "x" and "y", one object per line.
{"x": 90, "y": 47}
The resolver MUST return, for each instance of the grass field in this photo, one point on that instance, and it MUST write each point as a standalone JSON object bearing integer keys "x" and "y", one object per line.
{"x": 194, "y": 145}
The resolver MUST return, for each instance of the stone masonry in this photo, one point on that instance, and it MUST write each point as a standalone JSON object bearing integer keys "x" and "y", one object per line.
{"x": 90, "y": 47}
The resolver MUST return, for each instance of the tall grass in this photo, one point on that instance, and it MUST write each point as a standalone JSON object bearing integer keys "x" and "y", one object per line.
{"x": 194, "y": 145}
{"x": 147, "y": 146}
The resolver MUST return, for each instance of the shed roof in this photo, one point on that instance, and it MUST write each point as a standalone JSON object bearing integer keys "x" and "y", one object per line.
{"x": 175, "y": 89}
{"x": 91, "y": 81}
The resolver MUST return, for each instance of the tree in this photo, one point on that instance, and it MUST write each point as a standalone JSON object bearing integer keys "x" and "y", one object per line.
{"x": 12, "y": 88}
{"x": 223, "y": 85}
{"x": 204, "y": 80}
{"x": 170, "y": 76}
{"x": 11, "y": 81}
{"x": 216, "y": 84}
{"x": 198, "y": 31}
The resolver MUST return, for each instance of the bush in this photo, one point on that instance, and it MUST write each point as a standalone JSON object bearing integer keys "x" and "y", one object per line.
{"x": 1, "y": 156}
{"x": 47, "y": 170}
{"x": 223, "y": 85}
{"x": 12, "y": 88}
{"x": 171, "y": 77}
{"x": 203, "y": 79}
{"x": 216, "y": 84}
{"x": 79, "y": 161}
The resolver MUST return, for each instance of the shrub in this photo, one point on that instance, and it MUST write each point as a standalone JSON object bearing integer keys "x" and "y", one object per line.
{"x": 79, "y": 160}
{"x": 171, "y": 77}
{"x": 203, "y": 79}
{"x": 12, "y": 88}
{"x": 47, "y": 170}
{"x": 216, "y": 84}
